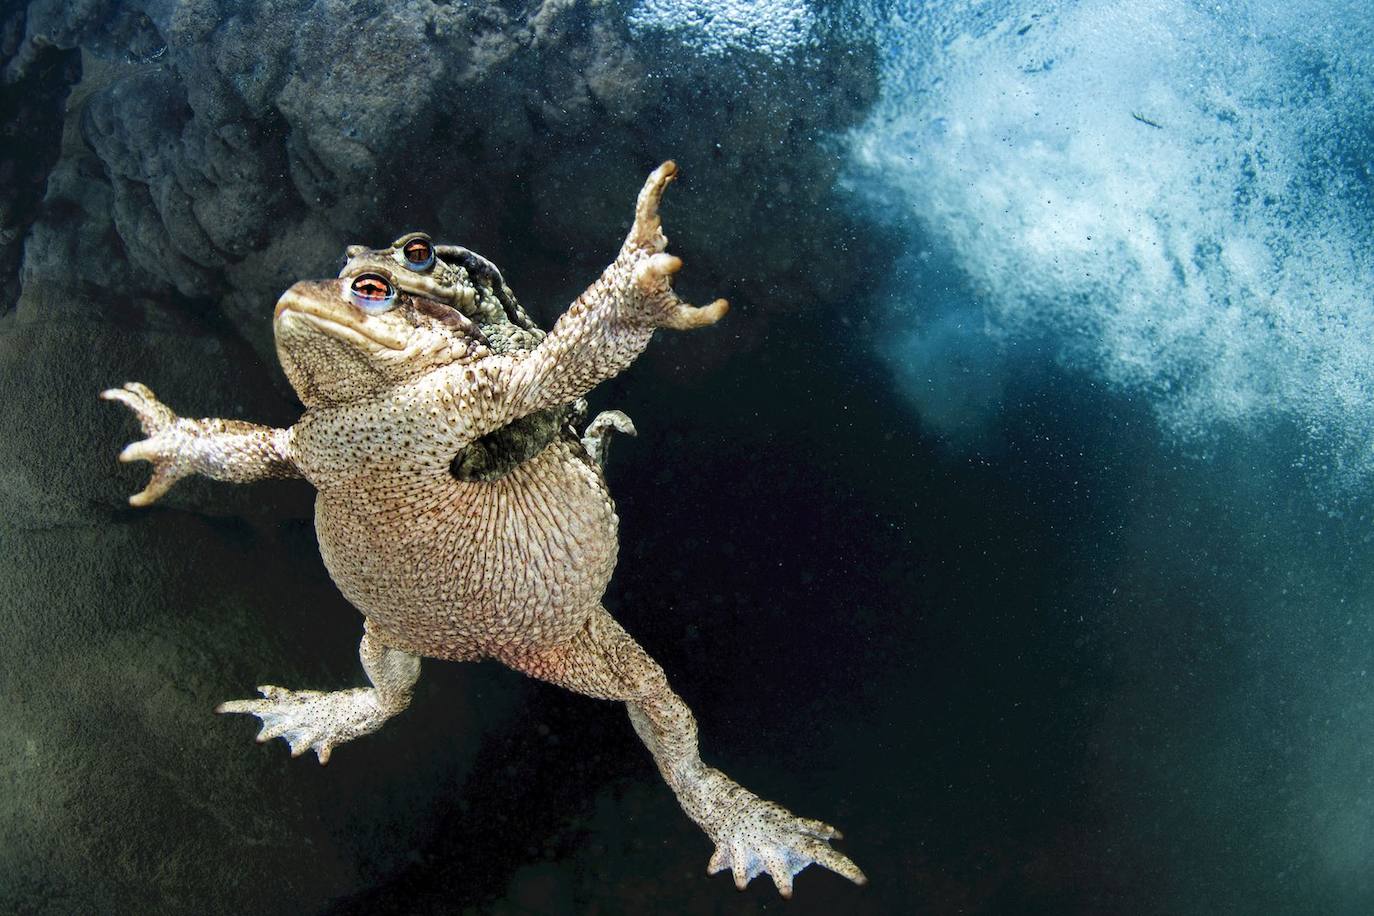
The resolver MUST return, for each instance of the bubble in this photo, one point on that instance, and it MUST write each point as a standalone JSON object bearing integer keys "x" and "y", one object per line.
{"x": 1178, "y": 196}
{"x": 775, "y": 28}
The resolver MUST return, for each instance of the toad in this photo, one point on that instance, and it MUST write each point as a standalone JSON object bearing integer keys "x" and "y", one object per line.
{"x": 402, "y": 367}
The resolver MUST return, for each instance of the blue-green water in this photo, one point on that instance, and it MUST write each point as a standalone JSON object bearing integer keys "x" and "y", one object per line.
{"x": 1017, "y": 519}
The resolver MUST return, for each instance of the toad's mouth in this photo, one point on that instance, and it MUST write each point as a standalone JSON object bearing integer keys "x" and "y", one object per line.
{"x": 324, "y": 317}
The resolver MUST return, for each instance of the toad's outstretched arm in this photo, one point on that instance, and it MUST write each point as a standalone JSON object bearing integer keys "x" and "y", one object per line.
{"x": 230, "y": 450}
{"x": 605, "y": 328}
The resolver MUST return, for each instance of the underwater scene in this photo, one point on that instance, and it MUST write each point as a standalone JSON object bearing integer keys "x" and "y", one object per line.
{"x": 901, "y": 457}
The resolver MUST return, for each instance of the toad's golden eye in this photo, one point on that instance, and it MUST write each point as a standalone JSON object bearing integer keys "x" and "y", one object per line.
{"x": 372, "y": 293}
{"x": 419, "y": 254}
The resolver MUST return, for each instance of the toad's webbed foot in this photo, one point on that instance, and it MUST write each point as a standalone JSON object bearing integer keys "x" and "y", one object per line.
{"x": 754, "y": 836}
{"x": 597, "y": 439}
{"x": 312, "y": 719}
{"x": 320, "y": 721}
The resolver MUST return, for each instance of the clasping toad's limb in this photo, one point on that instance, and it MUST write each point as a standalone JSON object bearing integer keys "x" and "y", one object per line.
{"x": 751, "y": 835}
{"x": 229, "y": 450}
{"x": 319, "y": 721}
{"x": 609, "y": 325}
{"x": 597, "y": 439}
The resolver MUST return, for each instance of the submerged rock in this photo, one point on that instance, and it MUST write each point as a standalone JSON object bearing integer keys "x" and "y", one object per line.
{"x": 228, "y": 133}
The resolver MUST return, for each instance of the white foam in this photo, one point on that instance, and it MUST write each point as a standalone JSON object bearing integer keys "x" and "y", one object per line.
{"x": 715, "y": 28}
{"x": 1221, "y": 263}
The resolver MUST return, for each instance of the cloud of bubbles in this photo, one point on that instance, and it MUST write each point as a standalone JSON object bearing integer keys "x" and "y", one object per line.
{"x": 1179, "y": 196}
{"x": 774, "y": 28}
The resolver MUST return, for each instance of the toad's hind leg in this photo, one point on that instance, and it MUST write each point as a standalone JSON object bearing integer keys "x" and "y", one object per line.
{"x": 751, "y": 835}
{"x": 320, "y": 721}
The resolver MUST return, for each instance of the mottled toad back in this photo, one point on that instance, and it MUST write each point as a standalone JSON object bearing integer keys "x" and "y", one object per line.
{"x": 413, "y": 358}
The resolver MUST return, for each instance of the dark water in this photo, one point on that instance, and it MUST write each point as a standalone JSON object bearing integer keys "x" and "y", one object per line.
{"x": 1016, "y": 520}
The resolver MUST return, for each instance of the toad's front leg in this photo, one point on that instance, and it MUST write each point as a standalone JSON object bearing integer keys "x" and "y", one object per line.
{"x": 752, "y": 835}
{"x": 320, "y": 721}
{"x": 230, "y": 450}
{"x": 610, "y": 324}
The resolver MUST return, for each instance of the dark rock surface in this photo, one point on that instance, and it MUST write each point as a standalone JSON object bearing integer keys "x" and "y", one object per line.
{"x": 30, "y": 135}
{"x": 245, "y": 144}
{"x": 210, "y": 154}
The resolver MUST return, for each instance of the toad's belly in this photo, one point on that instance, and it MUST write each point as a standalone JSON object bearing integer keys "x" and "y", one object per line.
{"x": 457, "y": 569}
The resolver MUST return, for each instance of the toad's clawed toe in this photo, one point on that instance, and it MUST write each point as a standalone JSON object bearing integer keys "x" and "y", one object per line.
{"x": 686, "y": 317}
{"x": 647, "y": 232}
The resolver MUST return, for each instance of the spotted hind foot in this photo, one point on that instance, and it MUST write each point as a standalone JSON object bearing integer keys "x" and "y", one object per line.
{"x": 312, "y": 719}
{"x": 320, "y": 721}
{"x": 754, "y": 836}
